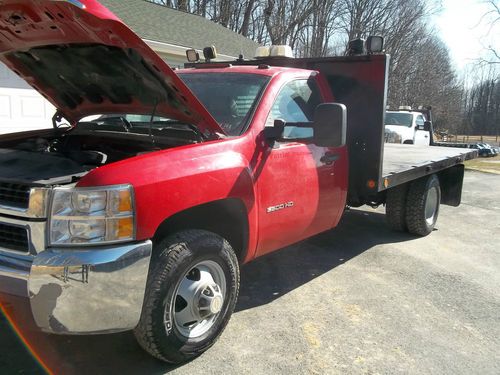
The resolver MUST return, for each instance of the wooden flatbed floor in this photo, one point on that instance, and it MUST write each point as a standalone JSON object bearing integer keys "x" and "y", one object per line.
{"x": 404, "y": 163}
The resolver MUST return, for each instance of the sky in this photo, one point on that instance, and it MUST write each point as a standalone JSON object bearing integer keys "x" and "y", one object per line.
{"x": 466, "y": 32}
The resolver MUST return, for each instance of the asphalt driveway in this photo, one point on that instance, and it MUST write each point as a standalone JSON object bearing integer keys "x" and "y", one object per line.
{"x": 357, "y": 299}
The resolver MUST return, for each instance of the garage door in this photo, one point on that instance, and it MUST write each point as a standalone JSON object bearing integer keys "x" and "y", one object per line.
{"x": 21, "y": 108}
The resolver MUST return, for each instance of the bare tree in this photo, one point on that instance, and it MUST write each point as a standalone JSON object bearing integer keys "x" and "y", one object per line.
{"x": 492, "y": 16}
{"x": 285, "y": 18}
{"x": 420, "y": 72}
{"x": 315, "y": 38}
{"x": 482, "y": 102}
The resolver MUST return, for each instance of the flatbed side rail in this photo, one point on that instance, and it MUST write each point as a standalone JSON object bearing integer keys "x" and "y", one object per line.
{"x": 392, "y": 178}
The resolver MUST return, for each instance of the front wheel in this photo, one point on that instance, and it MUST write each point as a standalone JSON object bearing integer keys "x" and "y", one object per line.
{"x": 190, "y": 295}
{"x": 422, "y": 205}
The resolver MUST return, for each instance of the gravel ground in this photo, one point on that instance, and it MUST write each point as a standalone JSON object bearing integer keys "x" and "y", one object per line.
{"x": 357, "y": 299}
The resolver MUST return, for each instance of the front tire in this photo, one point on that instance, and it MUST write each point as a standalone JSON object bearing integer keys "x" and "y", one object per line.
{"x": 422, "y": 205}
{"x": 190, "y": 296}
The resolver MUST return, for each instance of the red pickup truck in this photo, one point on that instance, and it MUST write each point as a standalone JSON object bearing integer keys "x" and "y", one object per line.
{"x": 137, "y": 209}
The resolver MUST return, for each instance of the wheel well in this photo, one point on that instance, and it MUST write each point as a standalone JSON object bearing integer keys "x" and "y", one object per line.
{"x": 408, "y": 142}
{"x": 228, "y": 218}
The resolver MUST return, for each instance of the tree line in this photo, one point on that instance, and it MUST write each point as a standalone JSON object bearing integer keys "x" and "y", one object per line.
{"x": 481, "y": 104}
{"x": 481, "y": 96}
{"x": 421, "y": 70}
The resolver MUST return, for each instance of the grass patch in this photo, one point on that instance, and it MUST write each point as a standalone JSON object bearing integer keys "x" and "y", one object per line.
{"x": 490, "y": 165}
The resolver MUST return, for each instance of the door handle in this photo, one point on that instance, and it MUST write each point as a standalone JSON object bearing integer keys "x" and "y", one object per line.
{"x": 329, "y": 158}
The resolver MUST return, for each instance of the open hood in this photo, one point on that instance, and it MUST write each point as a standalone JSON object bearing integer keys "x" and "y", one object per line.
{"x": 85, "y": 61}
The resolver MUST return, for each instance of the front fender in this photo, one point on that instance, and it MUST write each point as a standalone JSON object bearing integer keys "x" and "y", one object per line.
{"x": 170, "y": 181}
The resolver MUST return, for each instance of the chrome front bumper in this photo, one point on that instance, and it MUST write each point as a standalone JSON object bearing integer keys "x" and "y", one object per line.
{"x": 80, "y": 290}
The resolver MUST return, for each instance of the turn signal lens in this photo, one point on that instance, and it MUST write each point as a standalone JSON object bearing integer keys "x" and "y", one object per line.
{"x": 121, "y": 228}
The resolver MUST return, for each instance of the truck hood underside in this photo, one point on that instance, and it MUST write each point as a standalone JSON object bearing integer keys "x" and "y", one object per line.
{"x": 86, "y": 61}
{"x": 96, "y": 74}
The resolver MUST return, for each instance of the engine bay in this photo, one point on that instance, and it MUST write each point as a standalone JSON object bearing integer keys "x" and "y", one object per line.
{"x": 56, "y": 156}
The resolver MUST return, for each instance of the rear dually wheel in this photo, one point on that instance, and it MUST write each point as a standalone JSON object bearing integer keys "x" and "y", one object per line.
{"x": 395, "y": 207}
{"x": 422, "y": 205}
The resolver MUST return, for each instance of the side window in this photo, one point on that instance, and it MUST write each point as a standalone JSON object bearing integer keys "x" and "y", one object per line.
{"x": 420, "y": 121}
{"x": 296, "y": 102}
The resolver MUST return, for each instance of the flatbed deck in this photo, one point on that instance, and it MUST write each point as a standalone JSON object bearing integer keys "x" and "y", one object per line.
{"x": 403, "y": 163}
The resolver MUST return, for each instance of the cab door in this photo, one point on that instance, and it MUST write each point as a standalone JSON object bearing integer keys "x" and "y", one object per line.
{"x": 297, "y": 193}
{"x": 422, "y": 137}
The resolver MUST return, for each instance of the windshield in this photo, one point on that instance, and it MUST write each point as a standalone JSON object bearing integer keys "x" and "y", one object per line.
{"x": 399, "y": 119}
{"x": 229, "y": 97}
{"x": 140, "y": 124}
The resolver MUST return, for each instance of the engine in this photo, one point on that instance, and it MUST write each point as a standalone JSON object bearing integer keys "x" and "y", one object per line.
{"x": 49, "y": 160}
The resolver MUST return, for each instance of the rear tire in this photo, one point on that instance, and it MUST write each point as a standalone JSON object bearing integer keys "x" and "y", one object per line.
{"x": 395, "y": 207}
{"x": 422, "y": 207}
{"x": 190, "y": 295}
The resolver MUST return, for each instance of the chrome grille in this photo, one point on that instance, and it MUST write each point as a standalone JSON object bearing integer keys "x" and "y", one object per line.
{"x": 14, "y": 195}
{"x": 13, "y": 237}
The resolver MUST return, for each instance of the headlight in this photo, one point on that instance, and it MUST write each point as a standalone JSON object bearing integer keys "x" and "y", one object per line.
{"x": 92, "y": 215}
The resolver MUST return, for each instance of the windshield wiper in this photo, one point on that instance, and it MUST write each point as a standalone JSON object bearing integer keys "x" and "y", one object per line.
{"x": 178, "y": 125}
{"x": 126, "y": 124}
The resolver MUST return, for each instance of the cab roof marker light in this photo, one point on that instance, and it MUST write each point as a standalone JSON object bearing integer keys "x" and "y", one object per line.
{"x": 262, "y": 51}
{"x": 281, "y": 51}
{"x": 273, "y": 51}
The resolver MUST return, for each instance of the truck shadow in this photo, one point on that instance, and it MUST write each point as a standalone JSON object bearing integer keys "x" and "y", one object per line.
{"x": 274, "y": 275}
{"x": 262, "y": 281}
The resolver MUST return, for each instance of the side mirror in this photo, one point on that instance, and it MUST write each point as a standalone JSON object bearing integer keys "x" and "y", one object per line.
{"x": 330, "y": 125}
{"x": 275, "y": 132}
{"x": 427, "y": 126}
